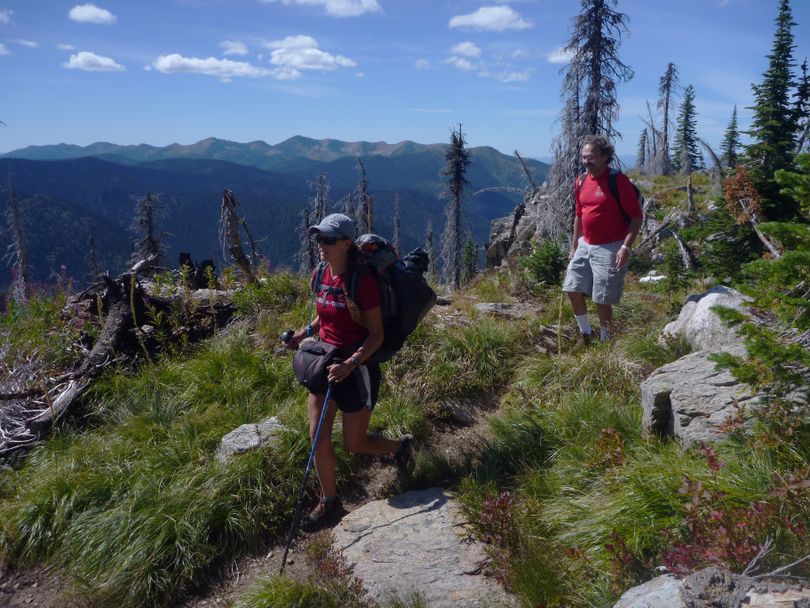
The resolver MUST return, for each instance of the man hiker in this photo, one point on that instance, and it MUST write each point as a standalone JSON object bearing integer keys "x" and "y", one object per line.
{"x": 607, "y": 219}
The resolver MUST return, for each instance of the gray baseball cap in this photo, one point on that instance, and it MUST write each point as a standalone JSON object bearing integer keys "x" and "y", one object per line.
{"x": 335, "y": 225}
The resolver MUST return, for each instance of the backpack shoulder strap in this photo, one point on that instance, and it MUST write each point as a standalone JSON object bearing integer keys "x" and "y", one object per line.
{"x": 316, "y": 286}
{"x": 614, "y": 191}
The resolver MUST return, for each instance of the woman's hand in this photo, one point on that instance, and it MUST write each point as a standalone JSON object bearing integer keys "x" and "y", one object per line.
{"x": 295, "y": 340}
{"x": 338, "y": 372}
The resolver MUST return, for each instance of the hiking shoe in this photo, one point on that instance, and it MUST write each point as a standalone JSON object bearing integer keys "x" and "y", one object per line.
{"x": 325, "y": 513}
{"x": 586, "y": 339}
{"x": 403, "y": 456}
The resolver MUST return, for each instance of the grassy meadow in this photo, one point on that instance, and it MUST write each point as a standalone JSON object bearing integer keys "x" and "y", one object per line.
{"x": 574, "y": 502}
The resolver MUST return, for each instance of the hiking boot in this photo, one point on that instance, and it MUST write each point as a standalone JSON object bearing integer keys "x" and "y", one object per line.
{"x": 586, "y": 339}
{"x": 325, "y": 513}
{"x": 403, "y": 456}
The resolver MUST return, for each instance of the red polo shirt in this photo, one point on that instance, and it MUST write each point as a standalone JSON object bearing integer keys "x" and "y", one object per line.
{"x": 602, "y": 222}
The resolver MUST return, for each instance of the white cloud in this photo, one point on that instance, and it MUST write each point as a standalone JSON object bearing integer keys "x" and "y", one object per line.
{"x": 90, "y": 13}
{"x": 520, "y": 54}
{"x": 65, "y": 47}
{"x": 337, "y": 8}
{"x": 508, "y": 76}
{"x": 90, "y": 62}
{"x": 5, "y": 16}
{"x": 491, "y": 18}
{"x": 31, "y": 44}
{"x": 559, "y": 56}
{"x": 360, "y": 75}
{"x": 460, "y": 63}
{"x": 422, "y": 64}
{"x": 225, "y": 69}
{"x": 4, "y": 50}
{"x": 295, "y": 53}
{"x": 233, "y": 47}
{"x": 467, "y": 49}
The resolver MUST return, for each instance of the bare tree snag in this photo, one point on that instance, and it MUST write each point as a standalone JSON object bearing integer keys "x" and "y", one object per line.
{"x": 18, "y": 252}
{"x": 229, "y": 235}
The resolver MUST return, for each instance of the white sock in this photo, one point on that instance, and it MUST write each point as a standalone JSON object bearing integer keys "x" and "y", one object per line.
{"x": 604, "y": 333}
{"x": 584, "y": 323}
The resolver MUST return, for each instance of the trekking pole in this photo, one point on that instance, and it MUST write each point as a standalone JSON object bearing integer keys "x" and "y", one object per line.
{"x": 297, "y": 517}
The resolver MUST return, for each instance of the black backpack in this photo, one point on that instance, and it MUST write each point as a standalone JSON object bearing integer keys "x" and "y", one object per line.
{"x": 405, "y": 296}
{"x": 614, "y": 191}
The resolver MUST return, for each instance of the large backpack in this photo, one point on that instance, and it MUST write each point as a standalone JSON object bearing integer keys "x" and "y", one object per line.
{"x": 614, "y": 191}
{"x": 405, "y": 296}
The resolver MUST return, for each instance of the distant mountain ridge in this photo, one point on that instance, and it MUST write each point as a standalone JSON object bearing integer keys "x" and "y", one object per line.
{"x": 298, "y": 153}
{"x": 70, "y": 194}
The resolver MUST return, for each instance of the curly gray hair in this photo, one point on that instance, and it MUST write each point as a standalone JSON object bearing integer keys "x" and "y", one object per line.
{"x": 602, "y": 143}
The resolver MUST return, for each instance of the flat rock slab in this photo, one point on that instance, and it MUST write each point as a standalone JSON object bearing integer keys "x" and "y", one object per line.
{"x": 418, "y": 541}
{"x": 691, "y": 399}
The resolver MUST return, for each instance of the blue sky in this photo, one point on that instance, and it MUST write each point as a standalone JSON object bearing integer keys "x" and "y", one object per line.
{"x": 166, "y": 71}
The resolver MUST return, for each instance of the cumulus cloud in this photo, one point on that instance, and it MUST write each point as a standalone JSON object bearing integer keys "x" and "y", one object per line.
{"x": 467, "y": 49}
{"x": 4, "y": 50}
{"x": 90, "y": 13}
{"x": 337, "y": 8}
{"x": 5, "y": 16}
{"x": 559, "y": 56}
{"x": 226, "y": 69}
{"x": 296, "y": 53}
{"x": 491, "y": 18}
{"x": 90, "y": 62}
{"x": 460, "y": 63}
{"x": 65, "y": 47}
{"x": 31, "y": 44}
{"x": 422, "y": 64}
{"x": 233, "y": 47}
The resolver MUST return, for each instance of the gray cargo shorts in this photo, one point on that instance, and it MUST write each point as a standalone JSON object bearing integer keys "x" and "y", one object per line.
{"x": 592, "y": 271}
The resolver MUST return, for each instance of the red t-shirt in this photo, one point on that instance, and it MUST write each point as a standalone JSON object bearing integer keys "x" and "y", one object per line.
{"x": 602, "y": 222}
{"x": 336, "y": 324}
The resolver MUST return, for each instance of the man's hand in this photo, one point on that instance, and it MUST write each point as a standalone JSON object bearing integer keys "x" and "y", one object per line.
{"x": 622, "y": 257}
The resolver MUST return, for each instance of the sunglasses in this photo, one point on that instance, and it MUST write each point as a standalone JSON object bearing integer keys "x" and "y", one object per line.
{"x": 327, "y": 240}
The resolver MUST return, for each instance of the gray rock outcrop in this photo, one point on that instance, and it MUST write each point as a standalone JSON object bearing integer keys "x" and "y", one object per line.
{"x": 660, "y": 592}
{"x": 249, "y": 437}
{"x": 716, "y": 588}
{"x": 417, "y": 541}
{"x": 700, "y": 324}
{"x": 691, "y": 399}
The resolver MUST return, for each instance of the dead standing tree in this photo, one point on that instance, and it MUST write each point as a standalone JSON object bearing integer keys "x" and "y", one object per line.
{"x": 17, "y": 251}
{"x": 147, "y": 239}
{"x": 229, "y": 238}
{"x": 397, "y": 229}
{"x": 589, "y": 98}
{"x": 667, "y": 89}
{"x": 458, "y": 159}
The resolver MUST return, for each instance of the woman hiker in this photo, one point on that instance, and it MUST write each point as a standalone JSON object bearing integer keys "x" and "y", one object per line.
{"x": 357, "y": 329}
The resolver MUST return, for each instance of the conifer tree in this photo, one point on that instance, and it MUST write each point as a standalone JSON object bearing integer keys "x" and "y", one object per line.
{"x": 731, "y": 142}
{"x": 590, "y": 105}
{"x": 802, "y": 110}
{"x": 773, "y": 127}
{"x": 686, "y": 155}
{"x": 469, "y": 260}
{"x": 365, "y": 213}
{"x": 458, "y": 159}
{"x": 667, "y": 89}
